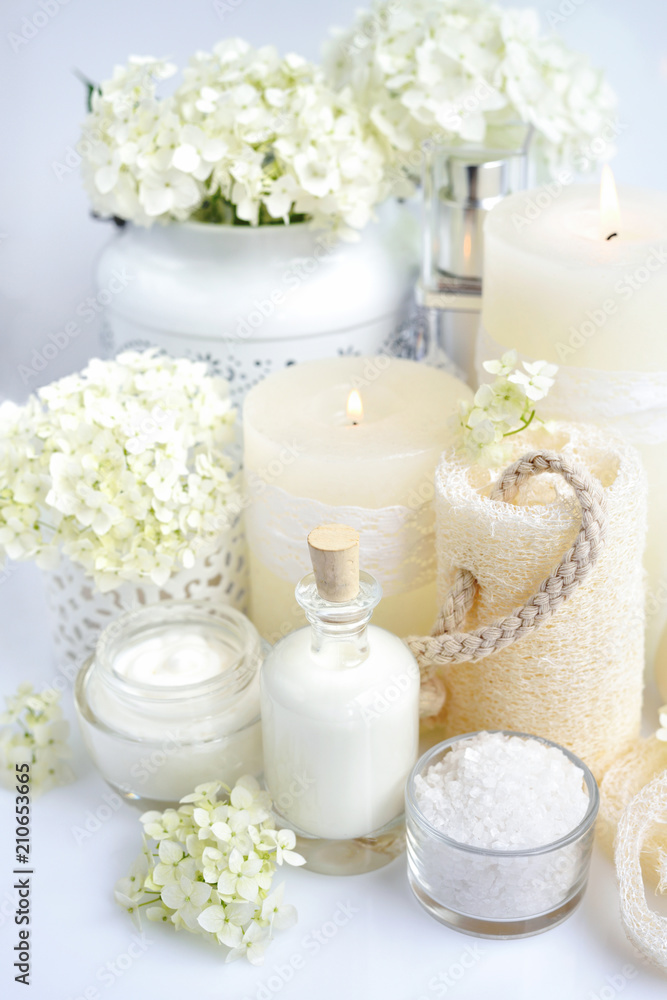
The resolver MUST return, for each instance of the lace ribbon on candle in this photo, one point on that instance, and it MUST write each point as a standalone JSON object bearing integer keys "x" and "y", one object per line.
{"x": 631, "y": 403}
{"x": 397, "y": 543}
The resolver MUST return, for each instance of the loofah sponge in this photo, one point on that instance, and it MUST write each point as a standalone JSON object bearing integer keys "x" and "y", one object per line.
{"x": 645, "y": 928}
{"x": 644, "y": 761}
{"x": 578, "y": 678}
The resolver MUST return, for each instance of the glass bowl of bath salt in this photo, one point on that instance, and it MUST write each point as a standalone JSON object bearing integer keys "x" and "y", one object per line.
{"x": 500, "y": 829}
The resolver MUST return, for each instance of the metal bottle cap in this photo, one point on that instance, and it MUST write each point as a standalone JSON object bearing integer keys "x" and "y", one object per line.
{"x": 472, "y": 188}
{"x": 463, "y": 184}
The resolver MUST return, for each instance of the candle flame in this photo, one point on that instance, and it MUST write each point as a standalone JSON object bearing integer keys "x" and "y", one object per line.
{"x": 467, "y": 246}
{"x": 355, "y": 408}
{"x": 610, "y": 214}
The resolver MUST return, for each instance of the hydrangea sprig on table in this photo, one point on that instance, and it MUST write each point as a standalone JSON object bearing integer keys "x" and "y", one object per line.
{"x": 247, "y": 138}
{"x": 503, "y": 408}
{"x": 123, "y": 468}
{"x": 466, "y": 71}
{"x": 212, "y": 869}
{"x": 33, "y": 732}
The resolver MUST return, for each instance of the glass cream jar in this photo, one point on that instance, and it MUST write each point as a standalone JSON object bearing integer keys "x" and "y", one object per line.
{"x": 170, "y": 699}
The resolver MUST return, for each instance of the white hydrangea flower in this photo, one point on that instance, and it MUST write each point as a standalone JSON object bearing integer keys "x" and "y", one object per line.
{"x": 122, "y": 467}
{"x": 172, "y": 865}
{"x": 187, "y": 899}
{"x": 241, "y": 877}
{"x": 33, "y": 731}
{"x": 227, "y": 922}
{"x": 537, "y": 380}
{"x": 279, "y": 915}
{"x": 247, "y": 137}
{"x": 466, "y": 71}
{"x": 252, "y": 945}
{"x": 504, "y": 366}
{"x": 502, "y": 408}
{"x": 212, "y": 872}
{"x": 284, "y": 842}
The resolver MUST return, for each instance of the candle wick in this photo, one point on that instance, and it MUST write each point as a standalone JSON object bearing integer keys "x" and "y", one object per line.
{"x": 611, "y": 236}
{"x": 355, "y": 423}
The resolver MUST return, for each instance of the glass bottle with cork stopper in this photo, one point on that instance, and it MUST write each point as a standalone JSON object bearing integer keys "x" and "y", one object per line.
{"x": 340, "y": 716}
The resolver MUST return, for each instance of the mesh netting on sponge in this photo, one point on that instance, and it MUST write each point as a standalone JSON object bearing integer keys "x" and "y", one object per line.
{"x": 578, "y": 679}
{"x": 638, "y": 829}
{"x": 645, "y": 760}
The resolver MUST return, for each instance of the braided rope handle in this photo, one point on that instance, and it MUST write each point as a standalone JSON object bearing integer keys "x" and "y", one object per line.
{"x": 447, "y": 644}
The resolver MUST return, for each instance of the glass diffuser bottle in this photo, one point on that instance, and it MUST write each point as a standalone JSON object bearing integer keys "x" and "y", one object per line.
{"x": 340, "y": 717}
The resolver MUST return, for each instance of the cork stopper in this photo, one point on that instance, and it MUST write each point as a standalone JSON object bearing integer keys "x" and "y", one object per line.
{"x": 334, "y": 553}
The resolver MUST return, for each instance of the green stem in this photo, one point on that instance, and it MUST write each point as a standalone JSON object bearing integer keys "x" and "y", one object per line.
{"x": 525, "y": 424}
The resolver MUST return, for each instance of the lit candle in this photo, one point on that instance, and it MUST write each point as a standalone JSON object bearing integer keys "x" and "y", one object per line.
{"x": 610, "y": 213}
{"x": 355, "y": 441}
{"x": 578, "y": 277}
{"x": 557, "y": 287}
{"x": 355, "y": 408}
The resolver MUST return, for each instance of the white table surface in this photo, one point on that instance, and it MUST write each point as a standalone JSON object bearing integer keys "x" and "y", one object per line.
{"x": 383, "y": 945}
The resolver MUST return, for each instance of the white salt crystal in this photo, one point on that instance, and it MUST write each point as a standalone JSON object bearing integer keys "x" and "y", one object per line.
{"x": 531, "y": 794}
{"x": 503, "y": 793}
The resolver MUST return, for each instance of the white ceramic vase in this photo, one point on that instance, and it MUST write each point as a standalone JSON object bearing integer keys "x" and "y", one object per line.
{"x": 251, "y": 300}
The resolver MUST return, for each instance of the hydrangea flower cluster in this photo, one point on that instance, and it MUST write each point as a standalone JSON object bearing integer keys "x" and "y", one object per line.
{"x": 34, "y": 732}
{"x": 248, "y": 137}
{"x": 503, "y": 407}
{"x": 122, "y": 468}
{"x": 466, "y": 71}
{"x": 212, "y": 869}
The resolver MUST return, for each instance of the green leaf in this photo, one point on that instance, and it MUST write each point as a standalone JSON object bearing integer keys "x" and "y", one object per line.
{"x": 91, "y": 88}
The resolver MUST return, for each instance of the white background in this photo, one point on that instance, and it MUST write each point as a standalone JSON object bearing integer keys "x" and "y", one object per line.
{"x": 48, "y": 245}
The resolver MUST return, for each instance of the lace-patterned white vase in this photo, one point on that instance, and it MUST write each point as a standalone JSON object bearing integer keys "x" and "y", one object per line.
{"x": 79, "y": 611}
{"x": 252, "y": 300}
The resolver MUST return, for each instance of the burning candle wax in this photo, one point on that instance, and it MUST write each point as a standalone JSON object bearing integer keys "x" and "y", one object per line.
{"x": 353, "y": 440}
{"x": 578, "y": 276}
{"x": 556, "y": 286}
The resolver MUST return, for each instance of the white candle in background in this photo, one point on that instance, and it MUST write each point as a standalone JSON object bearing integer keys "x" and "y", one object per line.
{"x": 578, "y": 276}
{"x": 556, "y": 288}
{"x": 315, "y": 453}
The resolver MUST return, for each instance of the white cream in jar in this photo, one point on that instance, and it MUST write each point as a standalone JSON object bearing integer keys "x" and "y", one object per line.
{"x": 171, "y": 699}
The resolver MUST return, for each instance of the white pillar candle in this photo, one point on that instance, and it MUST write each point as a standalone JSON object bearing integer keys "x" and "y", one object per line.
{"x": 309, "y": 462}
{"x": 557, "y": 288}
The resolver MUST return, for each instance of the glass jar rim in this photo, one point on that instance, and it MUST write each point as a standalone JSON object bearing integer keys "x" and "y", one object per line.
{"x": 581, "y": 828}
{"x": 86, "y": 711}
{"x": 170, "y": 614}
